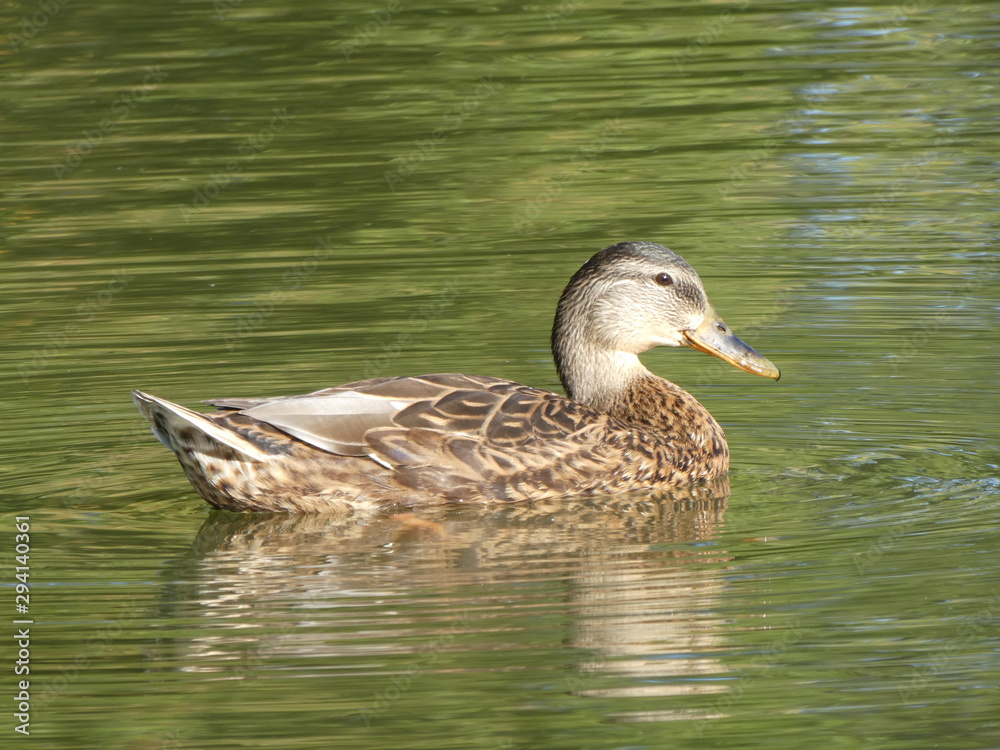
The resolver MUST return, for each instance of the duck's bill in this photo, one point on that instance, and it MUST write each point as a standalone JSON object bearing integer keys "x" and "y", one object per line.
{"x": 714, "y": 337}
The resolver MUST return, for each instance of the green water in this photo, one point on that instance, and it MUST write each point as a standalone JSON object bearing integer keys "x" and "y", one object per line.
{"x": 248, "y": 199}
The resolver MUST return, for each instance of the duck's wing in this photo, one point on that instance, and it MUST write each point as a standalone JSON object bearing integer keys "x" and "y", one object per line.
{"x": 532, "y": 445}
{"x": 337, "y": 419}
{"x": 461, "y": 436}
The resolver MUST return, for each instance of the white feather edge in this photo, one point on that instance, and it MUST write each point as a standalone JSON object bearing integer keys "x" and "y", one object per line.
{"x": 148, "y": 404}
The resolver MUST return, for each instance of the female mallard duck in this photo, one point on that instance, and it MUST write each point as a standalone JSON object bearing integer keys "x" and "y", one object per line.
{"x": 464, "y": 438}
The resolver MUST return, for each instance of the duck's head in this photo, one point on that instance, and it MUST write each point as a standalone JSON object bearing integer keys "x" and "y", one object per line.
{"x": 633, "y": 296}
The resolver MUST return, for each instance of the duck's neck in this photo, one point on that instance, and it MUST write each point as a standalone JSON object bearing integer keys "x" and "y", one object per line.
{"x": 600, "y": 378}
{"x": 592, "y": 370}
{"x": 617, "y": 383}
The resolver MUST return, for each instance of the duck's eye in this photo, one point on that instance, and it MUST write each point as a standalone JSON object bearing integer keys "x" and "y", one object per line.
{"x": 663, "y": 279}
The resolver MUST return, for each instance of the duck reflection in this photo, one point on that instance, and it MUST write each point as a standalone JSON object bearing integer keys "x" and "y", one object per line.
{"x": 634, "y": 579}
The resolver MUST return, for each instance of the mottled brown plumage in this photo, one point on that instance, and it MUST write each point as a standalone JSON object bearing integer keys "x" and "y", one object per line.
{"x": 462, "y": 438}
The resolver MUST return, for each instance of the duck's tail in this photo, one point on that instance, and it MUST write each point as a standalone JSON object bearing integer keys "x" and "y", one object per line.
{"x": 170, "y": 421}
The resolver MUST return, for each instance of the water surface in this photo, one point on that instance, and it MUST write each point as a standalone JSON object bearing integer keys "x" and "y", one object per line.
{"x": 247, "y": 199}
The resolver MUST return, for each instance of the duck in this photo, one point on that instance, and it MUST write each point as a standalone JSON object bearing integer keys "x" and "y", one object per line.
{"x": 413, "y": 441}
